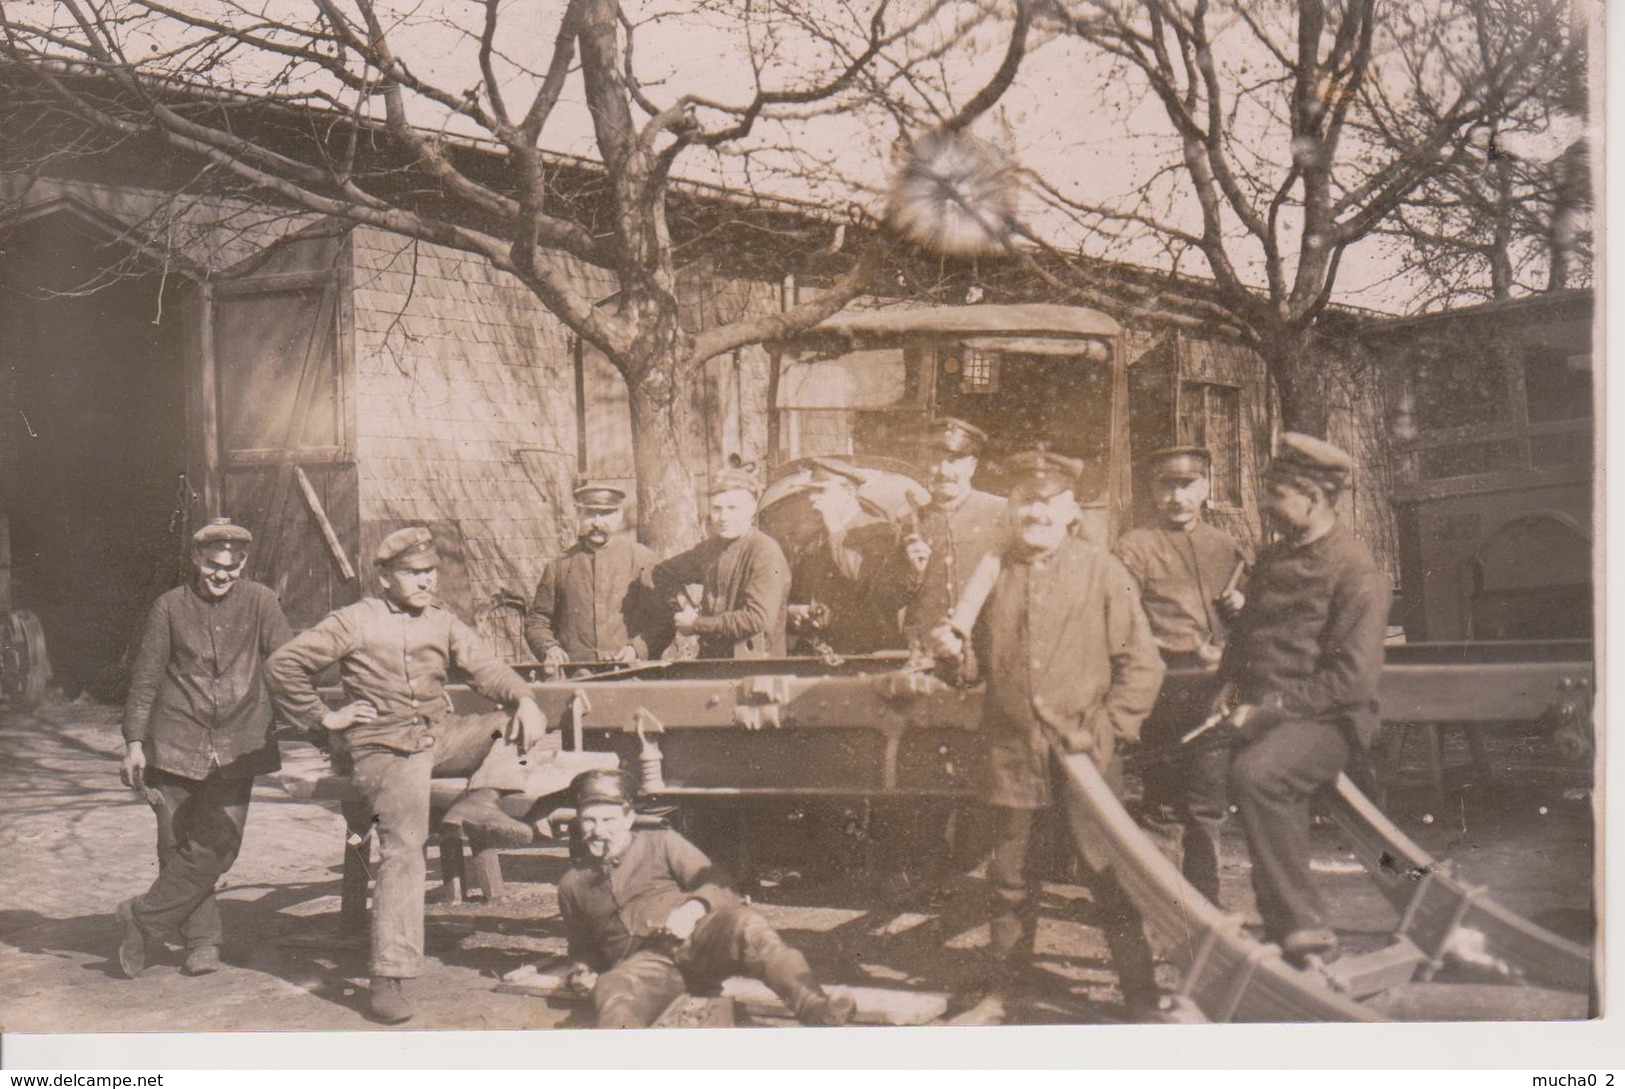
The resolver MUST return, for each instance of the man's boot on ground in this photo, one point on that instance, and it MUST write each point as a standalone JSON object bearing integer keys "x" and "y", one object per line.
{"x": 1310, "y": 941}
{"x": 483, "y": 821}
{"x": 201, "y": 960}
{"x": 132, "y": 948}
{"x": 786, "y": 971}
{"x": 826, "y": 1010}
{"x": 387, "y": 998}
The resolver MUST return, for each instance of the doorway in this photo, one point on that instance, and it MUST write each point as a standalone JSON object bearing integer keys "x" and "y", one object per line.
{"x": 95, "y": 440}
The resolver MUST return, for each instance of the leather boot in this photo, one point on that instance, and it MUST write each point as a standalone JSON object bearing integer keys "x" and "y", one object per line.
{"x": 1310, "y": 941}
{"x": 132, "y": 948}
{"x": 485, "y": 824}
{"x": 387, "y": 998}
{"x": 786, "y": 971}
{"x": 201, "y": 961}
{"x": 826, "y": 1010}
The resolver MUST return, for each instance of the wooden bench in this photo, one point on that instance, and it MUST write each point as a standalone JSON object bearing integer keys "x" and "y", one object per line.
{"x": 539, "y": 805}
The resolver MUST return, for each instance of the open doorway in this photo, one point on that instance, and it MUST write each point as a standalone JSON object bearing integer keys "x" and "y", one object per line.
{"x": 95, "y": 440}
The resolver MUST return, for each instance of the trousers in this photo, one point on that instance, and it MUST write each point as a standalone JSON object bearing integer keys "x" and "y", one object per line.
{"x": 1013, "y": 916}
{"x": 729, "y": 941}
{"x": 1186, "y": 802}
{"x": 1272, "y": 779}
{"x": 395, "y": 785}
{"x": 200, "y": 829}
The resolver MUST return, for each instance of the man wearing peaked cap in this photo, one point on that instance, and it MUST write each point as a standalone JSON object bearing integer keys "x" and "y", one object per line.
{"x": 744, "y": 576}
{"x": 597, "y": 603}
{"x": 648, "y": 918}
{"x": 1187, "y": 572}
{"x": 955, "y": 528}
{"x": 197, "y": 727}
{"x": 1071, "y": 667}
{"x": 857, "y": 573}
{"x": 1303, "y": 662}
{"x": 396, "y": 731}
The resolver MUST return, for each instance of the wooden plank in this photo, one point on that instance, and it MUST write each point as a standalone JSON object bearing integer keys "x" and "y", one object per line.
{"x": 329, "y": 536}
{"x": 1379, "y": 970}
{"x": 695, "y": 1011}
{"x": 875, "y": 1005}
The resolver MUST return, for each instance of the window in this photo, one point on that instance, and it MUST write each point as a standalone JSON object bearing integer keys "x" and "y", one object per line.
{"x": 1557, "y": 385}
{"x": 981, "y": 371}
{"x": 1210, "y": 416}
{"x": 277, "y": 369}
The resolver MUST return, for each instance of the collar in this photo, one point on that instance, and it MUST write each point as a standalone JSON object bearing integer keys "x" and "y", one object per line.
{"x": 394, "y": 608}
{"x": 197, "y": 591}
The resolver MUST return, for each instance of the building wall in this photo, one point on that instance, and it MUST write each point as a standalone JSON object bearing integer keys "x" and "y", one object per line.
{"x": 1491, "y": 445}
{"x": 465, "y": 412}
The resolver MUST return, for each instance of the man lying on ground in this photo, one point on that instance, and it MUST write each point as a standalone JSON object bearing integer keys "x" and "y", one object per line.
{"x": 650, "y": 919}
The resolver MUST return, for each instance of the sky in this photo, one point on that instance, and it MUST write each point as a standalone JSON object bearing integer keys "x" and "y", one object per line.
{"x": 1070, "y": 119}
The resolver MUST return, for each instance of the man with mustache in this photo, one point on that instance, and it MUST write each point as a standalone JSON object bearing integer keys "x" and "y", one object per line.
{"x": 858, "y": 571}
{"x": 744, "y": 576}
{"x": 956, "y": 527}
{"x": 1183, "y": 567}
{"x": 1304, "y": 656}
{"x": 197, "y": 728}
{"x": 396, "y": 731}
{"x": 596, "y": 603}
{"x": 648, "y": 918}
{"x": 1071, "y": 667}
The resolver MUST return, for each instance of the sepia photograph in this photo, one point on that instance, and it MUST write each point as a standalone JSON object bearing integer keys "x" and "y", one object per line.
{"x": 588, "y": 514}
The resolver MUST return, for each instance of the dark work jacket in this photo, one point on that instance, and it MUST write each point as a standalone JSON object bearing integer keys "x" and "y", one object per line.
{"x": 1311, "y": 633}
{"x": 1062, "y": 636}
{"x": 610, "y": 908}
{"x": 1179, "y": 574}
{"x": 746, "y": 593}
{"x": 593, "y": 602}
{"x": 959, "y": 539}
{"x": 198, "y": 697}
{"x": 864, "y": 578}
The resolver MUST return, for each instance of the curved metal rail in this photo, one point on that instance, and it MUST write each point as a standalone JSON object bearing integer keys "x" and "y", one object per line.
{"x": 1230, "y": 976}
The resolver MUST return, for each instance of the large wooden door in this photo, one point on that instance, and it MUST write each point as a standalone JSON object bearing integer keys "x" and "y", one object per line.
{"x": 287, "y": 467}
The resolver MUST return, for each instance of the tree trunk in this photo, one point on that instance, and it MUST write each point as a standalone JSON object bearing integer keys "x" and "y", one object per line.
{"x": 1295, "y": 364}
{"x": 668, "y": 515}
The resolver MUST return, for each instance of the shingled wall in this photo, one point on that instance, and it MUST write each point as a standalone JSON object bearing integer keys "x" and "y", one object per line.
{"x": 465, "y": 411}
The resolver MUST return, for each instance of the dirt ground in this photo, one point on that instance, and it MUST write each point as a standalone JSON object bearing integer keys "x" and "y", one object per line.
{"x": 76, "y": 843}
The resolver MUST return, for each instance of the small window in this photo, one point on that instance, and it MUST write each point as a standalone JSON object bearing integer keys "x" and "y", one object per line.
{"x": 1210, "y": 416}
{"x": 981, "y": 372}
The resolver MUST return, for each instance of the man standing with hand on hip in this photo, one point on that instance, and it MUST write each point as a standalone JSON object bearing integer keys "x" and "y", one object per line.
{"x": 197, "y": 728}
{"x": 396, "y": 731}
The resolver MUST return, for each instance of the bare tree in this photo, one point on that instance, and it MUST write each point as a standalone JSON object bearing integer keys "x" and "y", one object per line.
{"x": 1297, "y": 129}
{"x": 201, "y": 79}
{"x": 1509, "y": 216}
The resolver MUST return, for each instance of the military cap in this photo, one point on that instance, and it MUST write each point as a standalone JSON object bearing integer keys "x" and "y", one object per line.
{"x": 406, "y": 544}
{"x": 828, "y": 473}
{"x": 734, "y": 478}
{"x": 602, "y": 786}
{"x": 955, "y": 436}
{"x": 1046, "y": 473}
{"x": 220, "y": 535}
{"x": 1179, "y": 462}
{"x": 597, "y": 495}
{"x": 1307, "y": 457}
